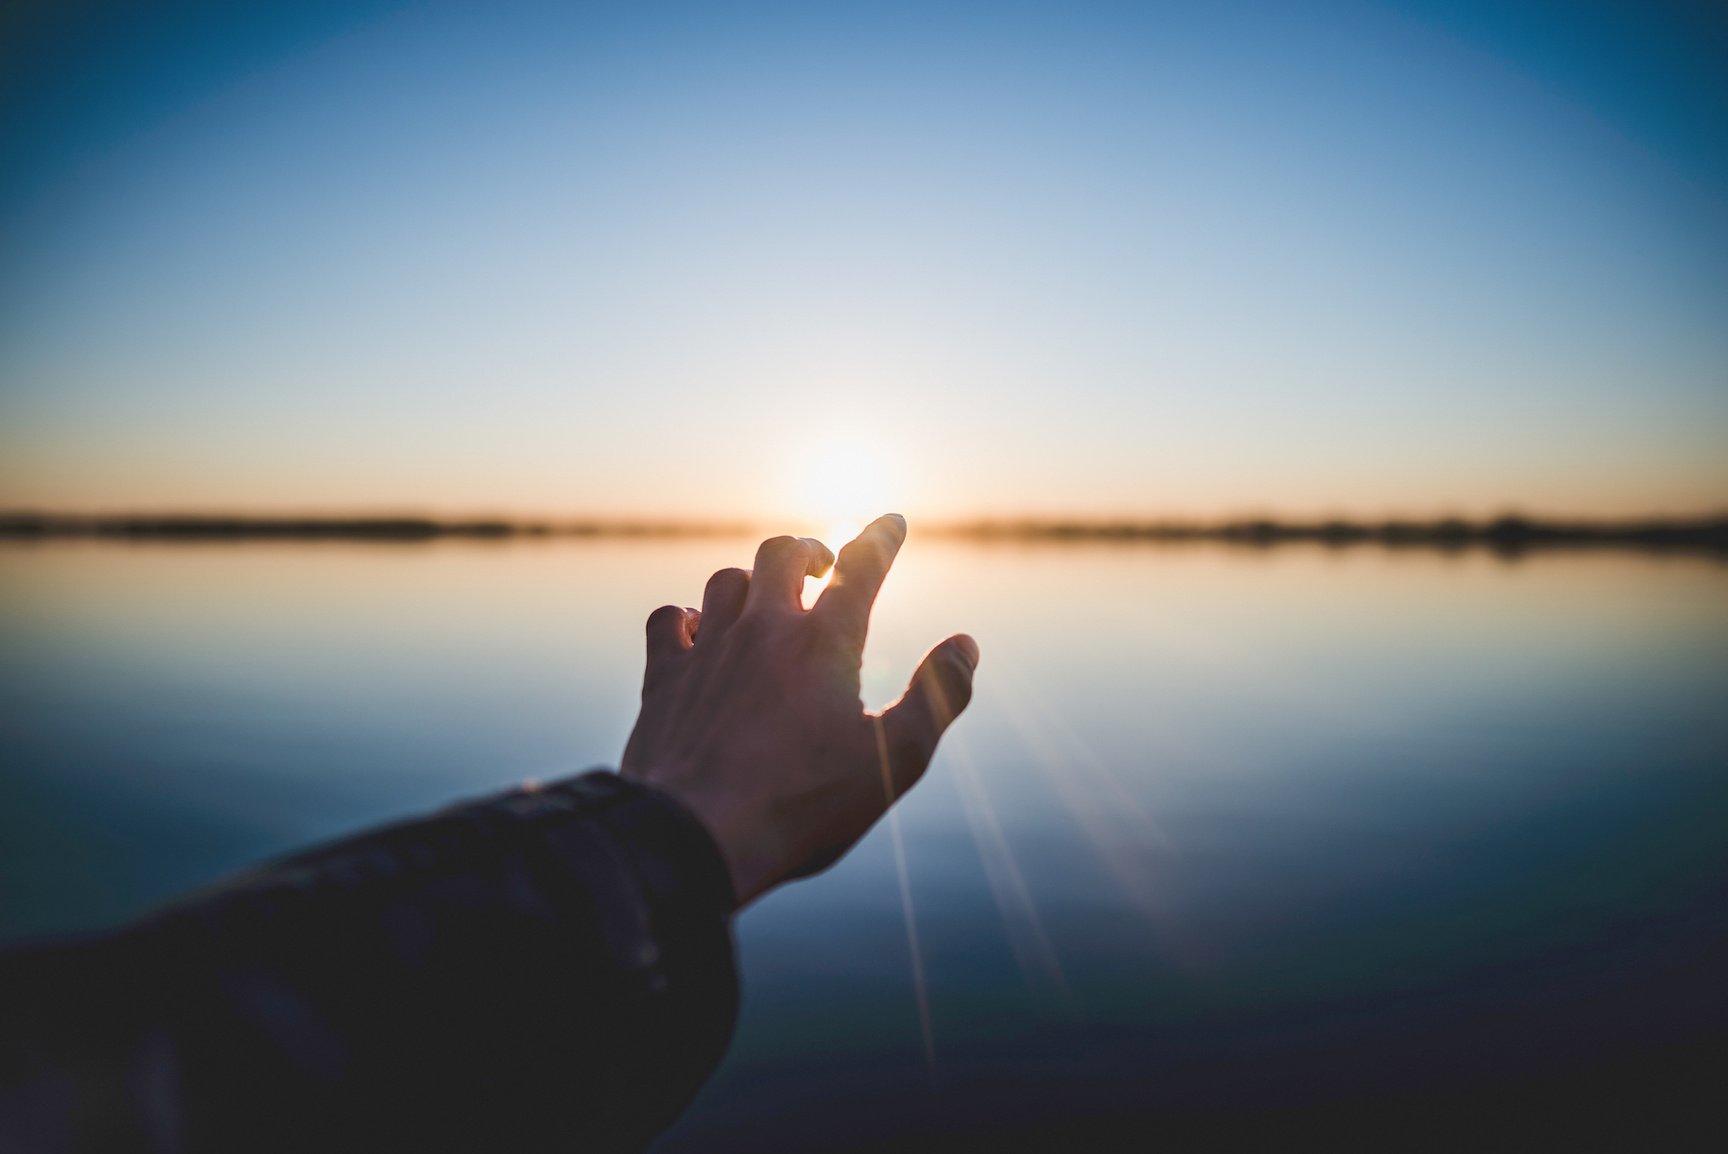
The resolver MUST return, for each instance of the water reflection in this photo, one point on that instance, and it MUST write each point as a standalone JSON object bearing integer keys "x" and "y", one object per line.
{"x": 1225, "y": 831}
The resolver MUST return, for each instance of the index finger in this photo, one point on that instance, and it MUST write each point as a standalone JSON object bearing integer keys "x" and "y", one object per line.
{"x": 858, "y": 574}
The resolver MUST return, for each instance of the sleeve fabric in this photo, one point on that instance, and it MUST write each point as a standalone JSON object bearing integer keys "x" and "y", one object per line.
{"x": 551, "y": 969}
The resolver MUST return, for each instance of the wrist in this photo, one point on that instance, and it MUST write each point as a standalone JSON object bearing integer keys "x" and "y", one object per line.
{"x": 754, "y": 863}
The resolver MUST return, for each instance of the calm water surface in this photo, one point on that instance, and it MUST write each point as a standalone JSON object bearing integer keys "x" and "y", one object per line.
{"x": 1226, "y": 832}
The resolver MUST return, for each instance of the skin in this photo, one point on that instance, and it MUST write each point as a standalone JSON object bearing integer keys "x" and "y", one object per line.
{"x": 751, "y": 715}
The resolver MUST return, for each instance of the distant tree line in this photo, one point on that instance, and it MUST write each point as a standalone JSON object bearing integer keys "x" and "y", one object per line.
{"x": 1511, "y": 534}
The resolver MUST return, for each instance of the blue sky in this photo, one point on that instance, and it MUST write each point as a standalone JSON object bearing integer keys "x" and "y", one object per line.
{"x": 682, "y": 259}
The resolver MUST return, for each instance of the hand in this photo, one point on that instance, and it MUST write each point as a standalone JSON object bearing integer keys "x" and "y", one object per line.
{"x": 751, "y": 714}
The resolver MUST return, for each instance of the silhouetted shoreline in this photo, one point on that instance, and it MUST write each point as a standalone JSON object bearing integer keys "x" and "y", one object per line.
{"x": 1504, "y": 534}
{"x": 200, "y": 527}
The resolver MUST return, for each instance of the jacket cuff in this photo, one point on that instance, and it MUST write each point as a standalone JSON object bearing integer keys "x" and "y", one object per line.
{"x": 672, "y": 852}
{"x": 659, "y": 887}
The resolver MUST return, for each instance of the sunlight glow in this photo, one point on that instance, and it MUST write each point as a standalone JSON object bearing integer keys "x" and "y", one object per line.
{"x": 842, "y": 483}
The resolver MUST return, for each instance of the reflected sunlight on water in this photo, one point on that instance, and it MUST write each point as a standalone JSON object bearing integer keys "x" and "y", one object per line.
{"x": 1306, "y": 823}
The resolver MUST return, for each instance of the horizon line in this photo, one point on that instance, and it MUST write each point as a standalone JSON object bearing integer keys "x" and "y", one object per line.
{"x": 1507, "y": 532}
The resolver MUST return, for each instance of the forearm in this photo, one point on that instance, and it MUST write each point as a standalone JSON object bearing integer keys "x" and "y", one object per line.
{"x": 545, "y": 969}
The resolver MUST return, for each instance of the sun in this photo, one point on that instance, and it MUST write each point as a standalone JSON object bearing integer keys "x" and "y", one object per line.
{"x": 843, "y": 482}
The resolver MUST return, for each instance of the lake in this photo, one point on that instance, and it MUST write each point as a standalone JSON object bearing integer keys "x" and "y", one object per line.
{"x": 1229, "y": 834}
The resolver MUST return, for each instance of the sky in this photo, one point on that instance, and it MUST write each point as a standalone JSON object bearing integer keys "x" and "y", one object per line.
{"x": 754, "y": 261}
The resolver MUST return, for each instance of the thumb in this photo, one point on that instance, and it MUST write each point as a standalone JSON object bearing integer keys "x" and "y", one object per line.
{"x": 910, "y": 728}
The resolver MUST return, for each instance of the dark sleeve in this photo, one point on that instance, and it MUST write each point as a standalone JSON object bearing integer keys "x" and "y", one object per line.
{"x": 547, "y": 970}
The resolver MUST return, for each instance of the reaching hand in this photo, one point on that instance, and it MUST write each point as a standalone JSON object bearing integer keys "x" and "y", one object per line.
{"x": 751, "y": 714}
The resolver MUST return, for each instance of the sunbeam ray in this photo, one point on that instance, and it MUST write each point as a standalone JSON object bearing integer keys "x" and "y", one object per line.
{"x": 1032, "y": 947}
{"x": 920, "y": 988}
{"x": 1115, "y": 825}
{"x": 1028, "y": 703}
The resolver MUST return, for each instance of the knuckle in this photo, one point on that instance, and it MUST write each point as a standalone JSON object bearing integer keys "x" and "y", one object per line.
{"x": 835, "y": 635}
{"x": 753, "y": 632}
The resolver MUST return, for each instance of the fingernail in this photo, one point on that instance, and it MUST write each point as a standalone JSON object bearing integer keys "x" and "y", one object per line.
{"x": 898, "y": 519}
{"x": 968, "y": 649}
